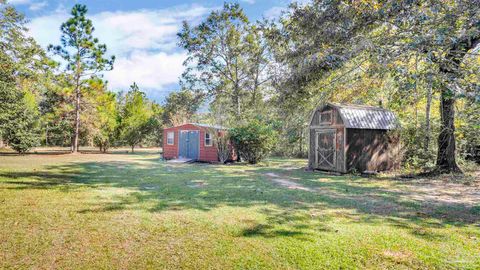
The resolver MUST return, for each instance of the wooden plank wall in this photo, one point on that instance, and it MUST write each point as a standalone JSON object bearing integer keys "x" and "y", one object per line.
{"x": 371, "y": 150}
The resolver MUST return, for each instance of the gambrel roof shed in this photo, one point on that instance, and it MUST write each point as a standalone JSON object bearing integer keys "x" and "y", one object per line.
{"x": 366, "y": 117}
{"x": 346, "y": 137}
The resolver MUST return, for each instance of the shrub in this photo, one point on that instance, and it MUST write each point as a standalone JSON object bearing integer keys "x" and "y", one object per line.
{"x": 22, "y": 134}
{"x": 222, "y": 141}
{"x": 102, "y": 141}
{"x": 254, "y": 140}
{"x": 23, "y": 140}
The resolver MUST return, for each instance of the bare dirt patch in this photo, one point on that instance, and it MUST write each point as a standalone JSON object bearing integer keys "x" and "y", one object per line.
{"x": 398, "y": 256}
{"x": 421, "y": 197}
{"x": 287, "y": 182}
{"x": 445, "y": 189}
{"x": 197, "y": 184}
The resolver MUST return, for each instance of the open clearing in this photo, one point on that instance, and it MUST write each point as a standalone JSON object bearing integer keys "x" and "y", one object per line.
{"x": 135, "y": 211}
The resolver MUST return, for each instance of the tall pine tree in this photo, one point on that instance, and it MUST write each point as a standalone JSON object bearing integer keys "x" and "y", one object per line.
{"x": 84, "y": 57}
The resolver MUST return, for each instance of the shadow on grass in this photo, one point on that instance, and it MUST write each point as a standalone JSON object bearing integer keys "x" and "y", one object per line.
{"x": 269, "y": 231}
{"x": 66, "y": 151}
{"x": 157, "y": 186}
{"x": 43, "y": 153}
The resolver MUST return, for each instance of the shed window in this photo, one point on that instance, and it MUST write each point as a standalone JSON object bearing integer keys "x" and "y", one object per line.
{"x": 326, "y": 118}
{"x": 208, "y": 139}
{"x": 170, "y": 137}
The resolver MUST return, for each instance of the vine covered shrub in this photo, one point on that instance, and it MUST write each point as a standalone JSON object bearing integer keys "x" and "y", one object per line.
{"x": 253, "y": 140}
{"x": 222, "y": 141}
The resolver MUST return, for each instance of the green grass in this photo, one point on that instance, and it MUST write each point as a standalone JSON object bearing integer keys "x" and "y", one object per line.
{"x": 93, "y": 211}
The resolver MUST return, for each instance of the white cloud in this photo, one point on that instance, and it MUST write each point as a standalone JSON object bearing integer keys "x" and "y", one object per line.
{"x": 149, "y": 70}
{"x": 37, "y": 5}
{"x": 46, "y": 29}
{"x": 143, "y": 41}
{"x": 249, "y": 1}
{"x": 18, "y": 2}
{"x": 144, "y": 29}
{"x": 33, "y": 5}
{"x": 274, "y": 12}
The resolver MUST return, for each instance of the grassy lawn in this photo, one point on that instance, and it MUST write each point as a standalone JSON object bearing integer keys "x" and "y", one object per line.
{"x": 93, "y": 211}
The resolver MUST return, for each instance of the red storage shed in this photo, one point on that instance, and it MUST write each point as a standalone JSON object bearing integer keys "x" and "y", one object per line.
{"x": 192, "y": 141}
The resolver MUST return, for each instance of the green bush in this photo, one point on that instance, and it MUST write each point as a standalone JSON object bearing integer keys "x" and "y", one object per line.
{"x": 22, "y": 134}
{"x": 254, "y": 140}
{"x": 23, "y": 140}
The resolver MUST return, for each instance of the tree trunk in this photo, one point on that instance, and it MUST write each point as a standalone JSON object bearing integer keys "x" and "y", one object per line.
{"x": 446, "y": 162}
{"x": 133, "y": 148}
{"x": 255, "y": 90}
{"x": 416, "y": 95}
{"x": 237, "y": 101}
{"x": 427, "y": 119}
{"x": 46, "y": 135}
{"x": 301, "y": 143}
{"x": 77, "y": 121}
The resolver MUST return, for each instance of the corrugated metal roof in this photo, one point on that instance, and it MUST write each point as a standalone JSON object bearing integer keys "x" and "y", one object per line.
{"x": 209, "y": 126}
{"x": 200, "y": 125}
{"x": 366, "y": 117}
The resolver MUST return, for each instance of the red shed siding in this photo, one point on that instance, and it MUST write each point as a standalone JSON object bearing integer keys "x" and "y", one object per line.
{"x": 207, "y": 153}
{"x": 170, "y": 151}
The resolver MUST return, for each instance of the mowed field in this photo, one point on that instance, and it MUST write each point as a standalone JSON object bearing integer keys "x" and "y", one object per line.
{"x": 135, "y": 211}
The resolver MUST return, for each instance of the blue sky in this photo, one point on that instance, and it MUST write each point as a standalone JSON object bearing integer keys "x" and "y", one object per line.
{"x": 140, "y": 33}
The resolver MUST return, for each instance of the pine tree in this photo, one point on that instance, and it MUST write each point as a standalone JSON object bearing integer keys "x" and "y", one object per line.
{"x": 18, "y": 124}
{"x": 84, "y": 56}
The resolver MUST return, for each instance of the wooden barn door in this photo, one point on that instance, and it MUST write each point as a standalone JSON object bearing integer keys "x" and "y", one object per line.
{"x": 325, "y": 149}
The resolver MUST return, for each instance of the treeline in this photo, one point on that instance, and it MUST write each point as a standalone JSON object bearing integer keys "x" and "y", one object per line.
{"x": 107, "y": 119}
